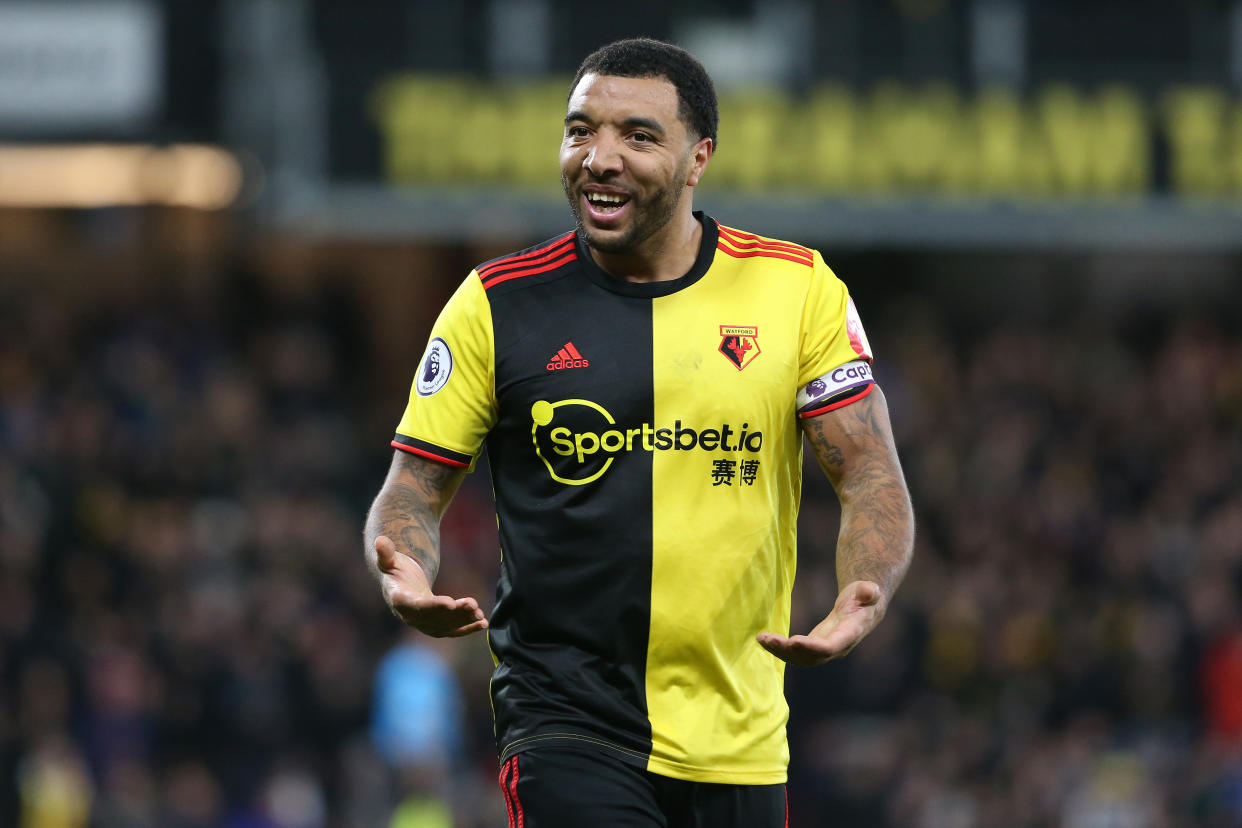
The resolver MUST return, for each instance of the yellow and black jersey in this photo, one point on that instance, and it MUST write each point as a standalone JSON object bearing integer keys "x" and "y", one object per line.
{"x": 646, "y": 461}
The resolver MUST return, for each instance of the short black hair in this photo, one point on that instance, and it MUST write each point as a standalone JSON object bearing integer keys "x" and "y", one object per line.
{"x": 643, "y": 57}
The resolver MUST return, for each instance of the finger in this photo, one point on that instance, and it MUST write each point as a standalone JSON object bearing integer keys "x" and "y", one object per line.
{"x": 837, "y": 643}
{"x": 385, "y": 553}
{"x": 768, "y": 639}
{"x": 406, "y": 602}
{"x": 418, "y": 602}
{"x": 458, "y": 605}
{"x": 867, "y": 593}
{"x": 825, "y": 647}
{"x": 857, "y": 596}
{"x": 804, "y": 650}
{"x": 777, "y": 645}
{"x": 450, "y": 627}
{"x": 436, "y": 615}
{"x": 468, "y": 629}
{"x": 790, "y": 651}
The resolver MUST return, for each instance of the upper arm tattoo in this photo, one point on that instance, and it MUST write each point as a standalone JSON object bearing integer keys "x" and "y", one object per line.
{"x": 854, "y": 445}
{"x": 433, "y": 483}
{"x": 830, "y": 456}
{"x": 409, "y": 506}
{"x": 853, "y": 435}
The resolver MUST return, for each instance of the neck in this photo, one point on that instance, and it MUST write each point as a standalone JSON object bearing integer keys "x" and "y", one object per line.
{"x": 666, "y": 255}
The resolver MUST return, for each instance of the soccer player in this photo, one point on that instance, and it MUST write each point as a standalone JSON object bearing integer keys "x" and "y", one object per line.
{"x": 643, "y": 385}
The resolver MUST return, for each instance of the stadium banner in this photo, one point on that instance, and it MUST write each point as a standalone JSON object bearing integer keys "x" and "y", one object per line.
{"x": 1059, "y": 142}
{"x": 79, "y": 65}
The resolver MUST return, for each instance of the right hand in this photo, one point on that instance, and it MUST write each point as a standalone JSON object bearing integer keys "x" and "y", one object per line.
{"x": 409, "y": 596}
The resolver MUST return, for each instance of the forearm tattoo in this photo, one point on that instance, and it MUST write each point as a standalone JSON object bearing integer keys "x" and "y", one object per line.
{"x": 854, "y": 445}
{"x": 408, "y": 509}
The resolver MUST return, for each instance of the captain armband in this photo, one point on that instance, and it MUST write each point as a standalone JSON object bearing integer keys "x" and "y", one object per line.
{"x": 841, "y": 386}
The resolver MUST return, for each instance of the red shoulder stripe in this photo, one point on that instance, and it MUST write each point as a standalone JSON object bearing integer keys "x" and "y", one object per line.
{"x": 522, "y": 258}
{"x": 769, "y": 254}
{"x": 742, "y": 235}
{"x": 803, "y": 262}
{"x": 744, "y": 246}
{"x": 552, "y": 253}
{"x": 572, "y": 255}
{"x": 741, "y": 239}
{"x": 753, "y": 247}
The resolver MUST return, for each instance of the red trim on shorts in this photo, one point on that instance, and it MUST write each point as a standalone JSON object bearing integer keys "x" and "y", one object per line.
{"x": 840, "y": 403}
{"x": 786, "y": 806}
{"x": 504, "y": 791}
{"x": 517, "y": 803}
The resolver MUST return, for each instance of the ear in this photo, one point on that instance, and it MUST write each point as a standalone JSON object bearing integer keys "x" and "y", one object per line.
{"x": 701, "y": 153}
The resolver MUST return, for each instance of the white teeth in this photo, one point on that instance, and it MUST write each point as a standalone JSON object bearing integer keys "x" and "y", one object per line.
{"x": 606, "y": 198}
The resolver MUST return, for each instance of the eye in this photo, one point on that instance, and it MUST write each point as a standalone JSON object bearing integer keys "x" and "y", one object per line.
{"x": 641, "y": 138}
{"x": 577, "y": 132}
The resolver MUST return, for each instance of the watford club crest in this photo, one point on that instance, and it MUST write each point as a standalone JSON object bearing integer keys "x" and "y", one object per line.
{"x": 739, "y": 344}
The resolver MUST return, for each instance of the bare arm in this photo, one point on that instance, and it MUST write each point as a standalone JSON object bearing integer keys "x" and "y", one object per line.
{"x": 409, "y": 506}
{"x": 854, "y": 446}
{"x": 402, "y": 546}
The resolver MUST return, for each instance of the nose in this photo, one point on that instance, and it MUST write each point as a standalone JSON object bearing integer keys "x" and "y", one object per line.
{"x": 603, "y": 157}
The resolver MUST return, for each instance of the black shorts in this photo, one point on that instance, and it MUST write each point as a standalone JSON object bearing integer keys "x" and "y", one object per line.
{"x": 565, "y": 787}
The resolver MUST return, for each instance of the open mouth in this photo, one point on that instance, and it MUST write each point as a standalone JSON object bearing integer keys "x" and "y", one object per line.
{"x": 606, "y": 204}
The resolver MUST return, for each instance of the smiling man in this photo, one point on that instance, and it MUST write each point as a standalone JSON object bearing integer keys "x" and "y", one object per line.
{"x": 643, "y": 385}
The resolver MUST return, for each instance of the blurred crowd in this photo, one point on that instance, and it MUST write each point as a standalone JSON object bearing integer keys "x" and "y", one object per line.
{"x": 1067, "y": 648}
{"x": 189, "y": 636}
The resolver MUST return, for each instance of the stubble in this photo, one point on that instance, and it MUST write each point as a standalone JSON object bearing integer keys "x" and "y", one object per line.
{"x": 649, "y": 216}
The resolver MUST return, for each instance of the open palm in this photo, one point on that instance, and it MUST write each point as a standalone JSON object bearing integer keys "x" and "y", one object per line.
{"x": 410, "y": 598}
{"x": 858, "y": 609}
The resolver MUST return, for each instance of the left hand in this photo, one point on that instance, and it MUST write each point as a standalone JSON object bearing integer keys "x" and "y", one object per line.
{"x": 859, "y": 607}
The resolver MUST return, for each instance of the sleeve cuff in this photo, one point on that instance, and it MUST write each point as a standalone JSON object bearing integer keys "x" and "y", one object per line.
{"x": 431, "y": 451}
{"x": 839, "y": 401}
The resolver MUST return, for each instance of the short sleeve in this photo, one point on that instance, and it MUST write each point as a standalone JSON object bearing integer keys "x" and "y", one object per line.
{"x": 452, "y": 403}
{"x": 835, "y": 360}
{"x": 832, "y": 332}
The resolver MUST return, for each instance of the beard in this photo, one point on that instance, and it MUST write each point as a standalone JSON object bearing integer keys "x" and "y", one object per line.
{"x": 648, "y": 215}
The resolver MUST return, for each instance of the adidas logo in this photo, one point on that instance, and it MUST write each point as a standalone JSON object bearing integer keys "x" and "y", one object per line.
{"x": 567, "y": 357}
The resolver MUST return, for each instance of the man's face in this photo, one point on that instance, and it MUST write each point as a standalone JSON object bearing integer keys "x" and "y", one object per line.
{"x": 626, "y": 159}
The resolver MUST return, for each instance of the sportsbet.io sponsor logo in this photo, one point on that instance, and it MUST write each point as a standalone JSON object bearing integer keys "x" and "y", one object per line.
{"x": 578, "y": 440}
